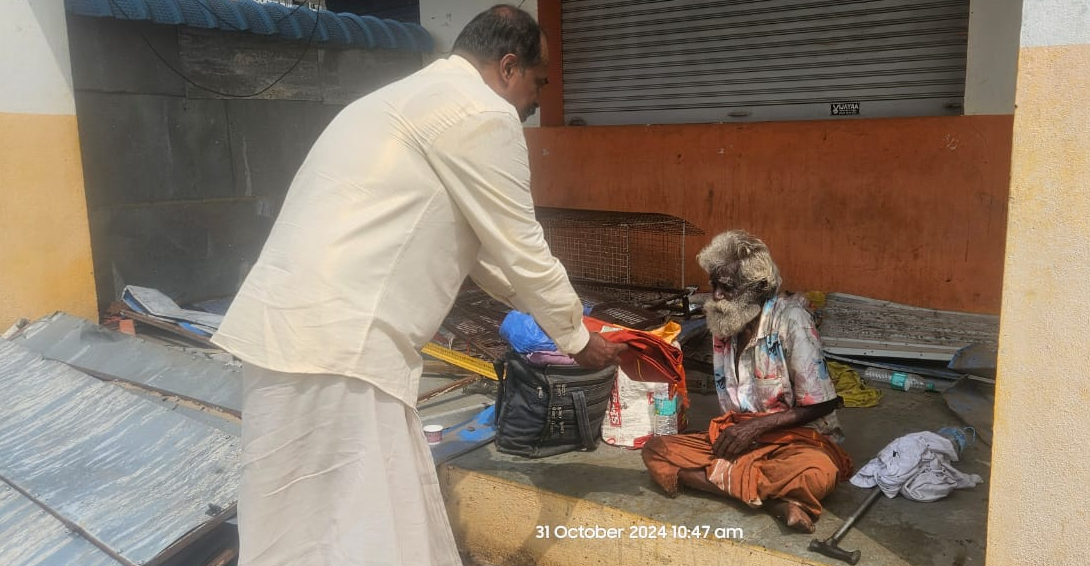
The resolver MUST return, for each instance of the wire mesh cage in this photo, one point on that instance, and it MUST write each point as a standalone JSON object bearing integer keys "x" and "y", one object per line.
{"x": 631, "y": 248}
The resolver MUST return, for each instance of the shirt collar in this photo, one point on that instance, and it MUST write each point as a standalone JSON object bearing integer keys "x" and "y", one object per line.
{"x": 463, "y": 64}
{"x": 764, "y": 328}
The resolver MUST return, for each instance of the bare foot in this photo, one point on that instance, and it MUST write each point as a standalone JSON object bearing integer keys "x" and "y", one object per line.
{"x": 791, "y": 514}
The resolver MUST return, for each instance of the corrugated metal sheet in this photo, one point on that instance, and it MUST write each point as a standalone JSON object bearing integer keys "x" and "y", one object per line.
{"x": 81, "y": 343}
{"x": 855, "y": 326}
{"x": 31, "y": 537}
{"x": 133, "y": 475}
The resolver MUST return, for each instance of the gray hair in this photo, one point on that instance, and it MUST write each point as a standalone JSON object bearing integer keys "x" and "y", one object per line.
{"x": 755, "y": 265}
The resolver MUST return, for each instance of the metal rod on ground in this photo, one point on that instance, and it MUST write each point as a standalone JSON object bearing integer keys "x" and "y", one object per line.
{"x": 223, "y": 558}
{"x": 427, "y": 396}
{"x": 830, "y": 546}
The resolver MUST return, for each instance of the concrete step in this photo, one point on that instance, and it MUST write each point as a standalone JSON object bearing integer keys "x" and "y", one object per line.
{"x": 510, "y": 511}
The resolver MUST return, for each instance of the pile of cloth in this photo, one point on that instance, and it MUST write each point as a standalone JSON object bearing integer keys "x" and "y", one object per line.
{"x": 918, "y": 466}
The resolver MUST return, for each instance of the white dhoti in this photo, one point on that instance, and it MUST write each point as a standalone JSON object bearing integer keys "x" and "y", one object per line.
{"x": 336, "y": 472}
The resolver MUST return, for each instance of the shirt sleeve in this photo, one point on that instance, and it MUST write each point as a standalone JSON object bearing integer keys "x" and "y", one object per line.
{"x": 806, "y": 359}
{"x": 483, "y": 163}
{"x": 490, "y": 278}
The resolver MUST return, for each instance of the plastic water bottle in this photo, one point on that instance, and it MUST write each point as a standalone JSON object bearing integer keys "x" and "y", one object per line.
{"x": 665, "y": 413}
{"x": 898, "y": 380}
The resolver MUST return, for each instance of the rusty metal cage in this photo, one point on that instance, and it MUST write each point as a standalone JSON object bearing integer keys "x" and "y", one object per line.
{"x": 630, "y": 248}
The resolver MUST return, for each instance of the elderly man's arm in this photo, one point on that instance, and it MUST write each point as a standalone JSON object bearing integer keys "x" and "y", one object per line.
{"x": 742, "y": 437}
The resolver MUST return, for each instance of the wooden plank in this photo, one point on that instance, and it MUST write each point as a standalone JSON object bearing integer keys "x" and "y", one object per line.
{"x": 172, "y": 328}
{"x": 429, "y": 395}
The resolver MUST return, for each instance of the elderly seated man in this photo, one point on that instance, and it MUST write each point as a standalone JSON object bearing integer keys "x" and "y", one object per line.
{"x": 776, "y": 445}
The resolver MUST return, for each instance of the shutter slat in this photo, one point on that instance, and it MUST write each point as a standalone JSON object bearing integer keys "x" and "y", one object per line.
{"x": 642, "y": 61}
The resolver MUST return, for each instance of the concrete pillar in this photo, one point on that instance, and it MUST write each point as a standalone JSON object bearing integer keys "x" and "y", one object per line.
{"x": 991, "y": 64}
{"x": 45, "y": 245}
{"x": 1039, "y": 510}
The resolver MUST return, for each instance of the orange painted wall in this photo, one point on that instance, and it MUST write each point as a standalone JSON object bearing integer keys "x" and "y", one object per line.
{"x": 905, "y": 209}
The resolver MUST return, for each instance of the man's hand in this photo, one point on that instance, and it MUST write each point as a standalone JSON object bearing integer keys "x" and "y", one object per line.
{"x": 741, "y": 438}
{"x": 738, "y": 439}
{"x": 599, "y": 353}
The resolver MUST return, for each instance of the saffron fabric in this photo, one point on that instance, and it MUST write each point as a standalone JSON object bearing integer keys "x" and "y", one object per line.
{"x": 798, "y": 464}
{"x": 650, "y": 357}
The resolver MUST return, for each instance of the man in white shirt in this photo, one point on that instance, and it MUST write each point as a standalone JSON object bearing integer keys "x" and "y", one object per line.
{"x": 407, "y": 192}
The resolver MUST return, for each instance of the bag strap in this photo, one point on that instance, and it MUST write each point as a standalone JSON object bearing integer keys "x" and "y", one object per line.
{"x": 501, "y": 385}
{"x": 582, "y": 419}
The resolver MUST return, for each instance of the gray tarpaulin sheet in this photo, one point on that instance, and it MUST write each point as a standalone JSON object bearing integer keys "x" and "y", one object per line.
{"x": 132, "y": 474}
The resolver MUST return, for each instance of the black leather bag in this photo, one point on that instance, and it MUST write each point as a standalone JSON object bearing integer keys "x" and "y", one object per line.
{"x": 546, "y": 410}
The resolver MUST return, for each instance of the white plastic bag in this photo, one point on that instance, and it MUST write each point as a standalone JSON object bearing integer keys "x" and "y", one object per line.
{"x": 630, "y": 418}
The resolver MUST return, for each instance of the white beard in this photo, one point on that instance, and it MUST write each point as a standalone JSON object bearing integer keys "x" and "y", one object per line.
{"x": 727, "y": 318}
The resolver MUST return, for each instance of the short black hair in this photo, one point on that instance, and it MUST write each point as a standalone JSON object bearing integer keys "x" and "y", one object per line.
{"x": 500, "y": 30}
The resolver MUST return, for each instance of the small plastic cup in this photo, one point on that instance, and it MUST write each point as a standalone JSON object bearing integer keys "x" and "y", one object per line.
{"x": 433, "y": 433}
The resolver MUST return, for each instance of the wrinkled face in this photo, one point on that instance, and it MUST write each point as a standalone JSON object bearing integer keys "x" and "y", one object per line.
{"x": 734, "y": 301}
{"x": 524, "y": 85}
{"x": 727, "y": 282}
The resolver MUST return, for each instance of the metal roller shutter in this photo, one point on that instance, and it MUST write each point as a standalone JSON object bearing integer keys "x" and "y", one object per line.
{"x": 678, "y": 61}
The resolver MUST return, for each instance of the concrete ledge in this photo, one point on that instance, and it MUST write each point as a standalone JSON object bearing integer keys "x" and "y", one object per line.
{"x": 501, "y": 522}
{"x": 496, "y": 503}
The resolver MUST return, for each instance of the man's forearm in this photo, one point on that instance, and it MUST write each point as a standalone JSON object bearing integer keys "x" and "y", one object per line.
{"x": 797, "y": 416}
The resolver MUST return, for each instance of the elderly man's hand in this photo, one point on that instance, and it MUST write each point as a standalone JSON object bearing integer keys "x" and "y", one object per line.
{"x": 738, "y": 439}
{"x": 599, "y": 353}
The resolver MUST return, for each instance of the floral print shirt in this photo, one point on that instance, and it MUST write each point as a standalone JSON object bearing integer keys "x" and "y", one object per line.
{"x": 782, "y": 366}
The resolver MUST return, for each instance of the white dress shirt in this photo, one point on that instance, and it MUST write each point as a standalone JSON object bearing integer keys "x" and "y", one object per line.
{"x": 409, "y": 190}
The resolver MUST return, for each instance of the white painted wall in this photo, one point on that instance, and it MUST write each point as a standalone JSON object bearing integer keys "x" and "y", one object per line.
{"x": 444, "y": 19}
{"x": 34, "y": 60}
{"x": 1055, "y": 22}
{"x": 992, "y": 59}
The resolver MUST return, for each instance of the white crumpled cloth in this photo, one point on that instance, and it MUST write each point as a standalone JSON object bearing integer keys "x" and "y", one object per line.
{"x": 918, "y": 466}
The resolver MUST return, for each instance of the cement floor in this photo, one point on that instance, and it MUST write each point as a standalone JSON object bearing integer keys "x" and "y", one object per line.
{"x": 950, "y": 531}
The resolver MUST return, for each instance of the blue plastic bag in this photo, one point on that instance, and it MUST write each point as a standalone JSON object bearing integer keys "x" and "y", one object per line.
{"x": 525, "y": 336}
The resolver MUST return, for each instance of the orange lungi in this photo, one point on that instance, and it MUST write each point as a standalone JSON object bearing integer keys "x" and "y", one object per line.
{"x": 799, "y": 464}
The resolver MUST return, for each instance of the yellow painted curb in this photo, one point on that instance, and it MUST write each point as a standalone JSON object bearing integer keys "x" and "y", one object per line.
{"x": 510, "y": 524}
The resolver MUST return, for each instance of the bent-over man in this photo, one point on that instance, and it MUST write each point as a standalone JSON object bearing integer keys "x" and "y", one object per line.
{"x": 775, "y": 446}
{"x": 409, "y": 190}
